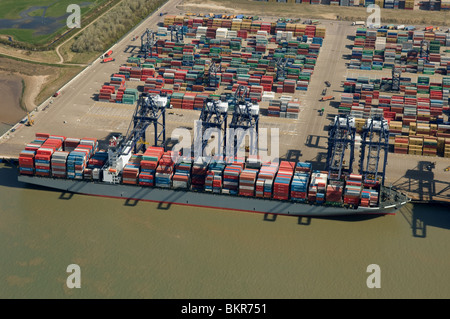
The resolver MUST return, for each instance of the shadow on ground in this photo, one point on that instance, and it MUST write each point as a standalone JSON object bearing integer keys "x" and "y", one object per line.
{"x": 421, "y": 181}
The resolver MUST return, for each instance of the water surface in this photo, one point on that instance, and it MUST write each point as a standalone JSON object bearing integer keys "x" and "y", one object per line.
{"x": 152, "y": 251}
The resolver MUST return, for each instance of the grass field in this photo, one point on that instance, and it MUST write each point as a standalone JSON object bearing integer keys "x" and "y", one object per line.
{"x": 11, "y": 10}
{"x": 36, "y": 13}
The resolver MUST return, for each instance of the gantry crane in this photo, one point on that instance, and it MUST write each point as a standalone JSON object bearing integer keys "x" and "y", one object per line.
{"x": 214, "y": 116}
{"x": 149, "y": 110}
{"x": 282, "y": 65}
{"x": 149, "y": 43}
{"x": 396, "y": 74}
{"x": 341, "y": 140}
{"x": 213, "y": 79}
{"x": 374, "y": 150}
{"x": 424, "y": 49}
{"x": 246, "y": 118}
{"x": 177, "y": 33}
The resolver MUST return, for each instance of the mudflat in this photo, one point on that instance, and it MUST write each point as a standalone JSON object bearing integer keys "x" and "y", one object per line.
{"x": 10, "y": 95}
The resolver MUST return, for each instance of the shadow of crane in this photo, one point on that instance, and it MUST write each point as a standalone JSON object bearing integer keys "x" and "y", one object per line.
{"x": 421, "y": 181}
{"x": 421, "y": 216}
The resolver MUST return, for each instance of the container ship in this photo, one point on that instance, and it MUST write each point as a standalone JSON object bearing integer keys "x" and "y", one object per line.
{"x": 233, "y": 183}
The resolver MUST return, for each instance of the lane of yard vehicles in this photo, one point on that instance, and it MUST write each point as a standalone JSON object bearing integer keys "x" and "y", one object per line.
{"x": 107, "y": 57}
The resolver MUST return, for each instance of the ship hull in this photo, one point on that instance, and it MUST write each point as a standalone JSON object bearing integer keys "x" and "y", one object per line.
{"x": 201, "y": 199}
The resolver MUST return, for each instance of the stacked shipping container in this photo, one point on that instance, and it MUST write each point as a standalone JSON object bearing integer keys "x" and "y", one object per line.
{"x": 284, "y": 181}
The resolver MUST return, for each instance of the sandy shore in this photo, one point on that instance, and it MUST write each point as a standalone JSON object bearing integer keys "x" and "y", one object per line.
{"x": 12, "y": 109}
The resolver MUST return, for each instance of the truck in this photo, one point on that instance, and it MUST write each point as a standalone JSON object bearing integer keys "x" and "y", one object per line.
{"x": 105, "y": 60}
{"x": 401, "y": 27}
{"x": 108, "y": 54}
{"x": 358, "y": 23}
{"x": 327, "y": 98}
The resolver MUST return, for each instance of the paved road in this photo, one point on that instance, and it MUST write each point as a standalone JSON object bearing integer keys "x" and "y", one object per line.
{"x": 330, "y": 67}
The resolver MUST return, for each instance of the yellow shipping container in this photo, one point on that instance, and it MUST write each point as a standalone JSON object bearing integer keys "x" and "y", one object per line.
{"x": 401, "y": 145}
{"x": 416, "y": 140}
{"x": 415, "y": 147}
{"x": 290, "y": 27}
{"x": 395, "y": 124}
{"x": 429, "y": 154}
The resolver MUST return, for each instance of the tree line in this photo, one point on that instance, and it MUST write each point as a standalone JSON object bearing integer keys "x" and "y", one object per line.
{"x": 113, "y": 25}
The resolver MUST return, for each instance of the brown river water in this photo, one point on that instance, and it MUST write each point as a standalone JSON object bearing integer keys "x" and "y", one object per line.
{"x": 149, "y": 251}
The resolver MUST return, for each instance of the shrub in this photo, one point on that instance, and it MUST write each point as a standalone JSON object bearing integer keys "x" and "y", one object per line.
{"x": 113, "y": 25}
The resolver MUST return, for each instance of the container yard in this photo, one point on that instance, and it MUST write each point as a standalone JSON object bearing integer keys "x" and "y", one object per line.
{"x": 250, "y": 54}
{"x": 283, "y": 68}
{"x": 430, "y": 5}
{"x": 415, "y": 104}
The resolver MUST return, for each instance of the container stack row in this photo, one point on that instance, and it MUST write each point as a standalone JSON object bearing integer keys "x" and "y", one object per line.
{"x": 148, "y": 165}
{"x": 385, "y": 48}
{"x": 164, "y": 171}
{"x": 282, "y": 183}
{"x": 416, "y": 115}
{"x": 286, "y": 180}
{"x": 182, "y": 176}
{"x": 266, "y": 177}
{"x": 177, "y": 68}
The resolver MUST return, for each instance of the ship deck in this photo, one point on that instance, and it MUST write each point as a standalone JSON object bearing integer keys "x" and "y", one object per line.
{"x": 210, "y": 200}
